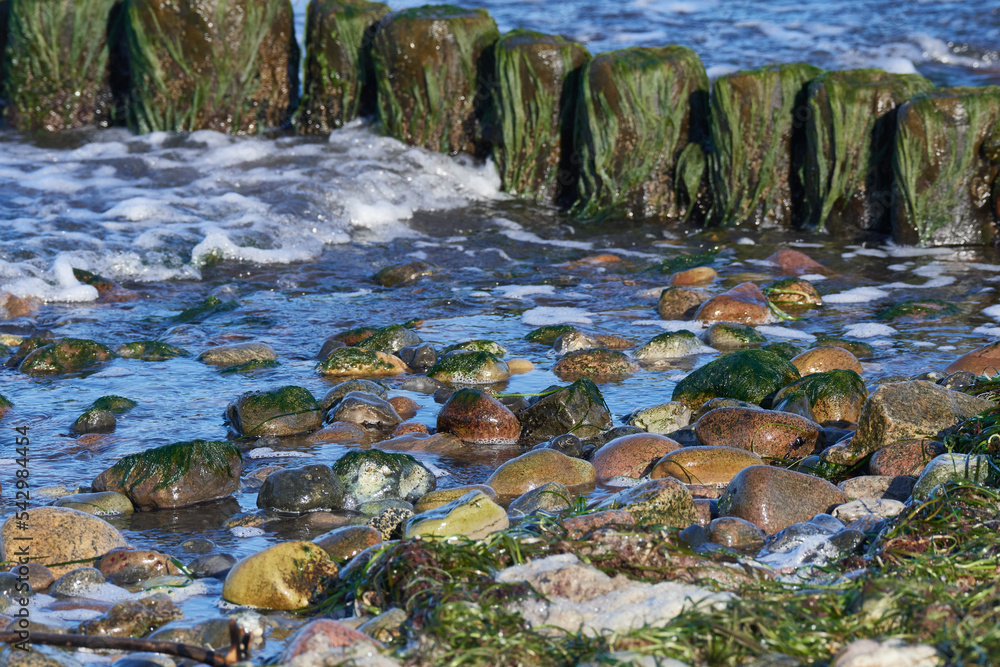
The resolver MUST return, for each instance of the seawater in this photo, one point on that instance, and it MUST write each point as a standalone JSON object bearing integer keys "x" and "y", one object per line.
{"x": 294, "y": 229}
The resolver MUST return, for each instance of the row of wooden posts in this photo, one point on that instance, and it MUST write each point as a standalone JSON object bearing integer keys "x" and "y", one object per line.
{"x": 634, "y": 132}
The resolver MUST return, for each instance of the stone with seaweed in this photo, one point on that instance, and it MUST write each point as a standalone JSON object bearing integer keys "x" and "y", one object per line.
{"x": 919, "y": 310}
{"x": 57, "y": 75}
{"x": 224, "y": 65}
{"x": 469, "y": 367}
{"x": 150, "y": 350}
{"x": 211, "y": 305}
{"x": 641, "y": 120}
{"x": 428, "y": 64}
{"x": 281, "y": 411}
{"x": 850, "y": 136}
{"x": 390, "y": 339}
{"x": 532, "y": 113}
{"x": 830, "y": 396}
{"x": 177, "y": 475}
{"x": 372, "y": 474}
{"x": 338, "y": 76}
{"x": 757, "y": 144}
{"x": 298, "y": 490}
{"x": 945, "y": 166}
{"x": 746, "y": 375}
{"x": 578, "y": 408}
{"x": 66, "y": 355}
{"x": 547, "y": 335}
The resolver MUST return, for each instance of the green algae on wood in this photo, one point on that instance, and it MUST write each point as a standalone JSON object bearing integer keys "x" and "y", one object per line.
{"x": 638, "y": 113}
{"x": 756, "y": 144}
{"x": 946, "y": 166}
{"x": 339, "y": 76}
{"x": 533, "y": 102}
{"x": 747, "y": 375}
{"x": 427, "y": 68}
{"x": 224, "y": 65}
{"x": 850, "y": 136}
{"x": 57, "y": 64}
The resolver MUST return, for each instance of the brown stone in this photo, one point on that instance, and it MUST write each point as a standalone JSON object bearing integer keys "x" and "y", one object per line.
{"x": 337, "y": 432}
{"x": 904, "y": 458}
{"x": 773, "y": 498}
{"x": 708, "y": 465}
{"x": 878, "y": 487}
{"x": 38, "y": 575}
{"x": 60, "y": 535}
{"x": 14, "y": 306}
{"x": 578, "y": 526}
{"x": 679, "y": 303}
{"x": 405, "y": 406}
{"x": 631, "y": 455}
{"x": 538, "y": 467}
{"x": 735, "y": 533}
{"x": 704, "y": 510}
{"x": 744, "y": 304}
{"x": 434, "y": 499}
{"x": 320, "y": 636}
{"x": 600, "y": 365}
{"x": 767, "y": 433}
{"x": 410, "y": 427}
{"x": 794, "y": 292}
{"x": 134, "y": 618}
{"x": 346, "y": 542}
{"x": 982, "y": 361}
{"x": 476, "y": 417}
{"x": 795, "y": 263}
{"x": 129, "y": 566}
{"x": 826, "y": 358}
{"x": 421, "y": 442}
{"x": 664, "y": 502}
{"x": 704, "y": 492}
{"x": 699, "y": 275}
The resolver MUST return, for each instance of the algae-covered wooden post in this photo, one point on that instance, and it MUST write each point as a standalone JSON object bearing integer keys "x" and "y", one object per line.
{"x": 57, "y": 75}
{"x": 429, "y": 75}
{"x": 339, "y": 77}
{"x": 531, "y": 124}
{"x": 225, "y": 65}
{"x": 850, "y": 136}
{"x": 641, "y": 119}
{"x": 946, "y": 165}
{"x": 758, "y": 127}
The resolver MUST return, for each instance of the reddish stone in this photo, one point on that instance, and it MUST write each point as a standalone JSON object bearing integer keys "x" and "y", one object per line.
{"x": 405, "y": 406}
{"x": 904, "y": 458}
{"x": 983, "y": 361}
{"x": 773, "y": 498}
{"x": 410, "y": 427}
{"x": 475, "y": 416}
{"x": 795, "y": 263}
{"x": 321, "y": 635}
{"x": 127, "y": 566}
{"x": 767, "y": 433}
{"x": 578, "y": 526}
{"x": 826, "y": 358}
{"x": 631, "y": 455}
{"x": 743, "y": 304}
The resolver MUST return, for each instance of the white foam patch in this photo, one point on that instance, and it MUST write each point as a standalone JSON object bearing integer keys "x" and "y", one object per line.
{"x": 117, "y": 372}
{"x": 911, "y": 251}
{"x": 946, "y": 348}
{"x": 784, "y": 332}
{"x": 521, "y": 291}
{"x": 987, "y": 330}
{"x": 268, "y": 453}
{"x": 672, "y": 325}
{"x": 247, "y": 531}
{"x": 529, "y": 237}
{"x": 437, "y": 472}
{"x": 942, "y": 281}
{"x": 856, "y": 295}
{"x": 544, "y": 315}
{"x": 744, "y": 240}
{"x": 813, "y": 277}
{"x": 871, "y": 252}
{"x": 178, "y": 593}
{"x": 992, "y": 311}
{"x": 869, "y": 330}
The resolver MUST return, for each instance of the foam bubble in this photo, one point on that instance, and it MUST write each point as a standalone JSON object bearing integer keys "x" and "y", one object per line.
{"x": 784, "y": 332}
{"x": 247, "y": 531}
{"x": 856, "y": 295}
{"x": 545, "y": 315}
{"x": 992, "y": 311}
{"x": 529, "y": 237}
{"x": 869, "y": 330}
{"x": 268, "y": 453}
{"x": 521, "y": 291}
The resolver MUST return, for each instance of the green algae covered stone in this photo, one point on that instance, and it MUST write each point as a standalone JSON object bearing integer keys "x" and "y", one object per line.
{"x": 427, "y": 68}
{"x": 757, "y": 126}
{"x": 57, "y": 73}
{"x": 919, "y": 310}
{"x": 371, "y": 474}
{"x": 390, "y": 339}
{"x": 836, "y": 395}
{"x": 350, "y": 361}
{"x": 547, "y": 335}
{"x": 150, "y": 350}
{"x": 474, "y": 516}
{"x": 470, "y": 368}
{"x": 224, "y": 65}
{"x": 5, "y": 405}
{"x": 850, "y": 136}
{"x": 282, "y": 411}
{"x": 339, "y": 76}
{"x": 208, "y": 307}
{"x": 640, "y": 119}
{"x": 177, "y": 475}
{"x": 112, "y": 403}
{"x": 946, "y": 161}
{"x": 496, "y": 349}
{"x": 66, "y": 355}
{"x": 536, "y": 81}
{"x": 747, "y": 375}
{"x": 578, "y": 408}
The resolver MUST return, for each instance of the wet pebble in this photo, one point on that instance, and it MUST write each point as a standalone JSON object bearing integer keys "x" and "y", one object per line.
{"x": 631, "y": 455}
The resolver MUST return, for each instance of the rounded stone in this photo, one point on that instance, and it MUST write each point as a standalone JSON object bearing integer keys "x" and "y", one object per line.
{"x": 351, "y": 361}
{"x": 631, "y": 455}
{"x": 743, "y": 304}
{"x": 578, "y": 526}
{"x": 75, "y": 582}
{"x": 705, "y": 465}
{"x": 794, "y": 263}
{"x": 679, "y": 303}
{"x": 599, "y": 365}
{"x": 130, "y": 566}
{"x": 733, "y": 336}
{"x": 404, "y": 406}
{"x": 826, "y": 358}
{"x": 285, "y": 576}
{"x": 60, "y": 535}
{"x": 538, "y": 467}
{"x": 663, "y": 418}
{"x": 668, "y": 345}
{"x": 572, "y": 341}
{"x": 365, "y": 410}
{"x": 372, "y": 474}
{"x": 214, "y": 566}
{"x": 355, "y": 384}
{"x": 461, "y": 367}
{"x": 237, "y": 353}
{"x": 476, "y": 417}
{"x": 746, "y": 375}
{"x": 281, "y": 411}
{"x": 103, "y": 503}
{"x": 551, "y": 498}
{"x": 38, "y": 575}
{"x": 664, "y": 502}
{"x": 952, "y": 468}
{"x": 773, "y": 498}
{"x": 390, "y": 339}
{"x": 767, "y": 433}
{"x": 473, "y": 516}
{"x": 95, "y": 421}
{"x": 981, "y": 361}
{"x": 699, "y": 275}
{"x": 830, "y": 396}
{"x": 905, "y": 458}
{"x": 346, "y": 542}
{"x": 298, "y": 490}
{"x": 735, "y": 533}
{"x": 444, "y": 496}
{"x": 793, "y": 292}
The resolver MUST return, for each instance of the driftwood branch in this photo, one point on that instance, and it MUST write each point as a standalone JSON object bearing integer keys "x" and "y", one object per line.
{"x": 238, "y": 650}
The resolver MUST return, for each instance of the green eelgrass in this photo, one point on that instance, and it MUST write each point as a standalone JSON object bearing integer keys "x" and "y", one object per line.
{"x": 182, "y": 82}
{"x": 56, "y": 69}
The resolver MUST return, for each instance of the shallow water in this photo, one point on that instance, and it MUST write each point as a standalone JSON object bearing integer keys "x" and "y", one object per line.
{"x": 294, "y": 229}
